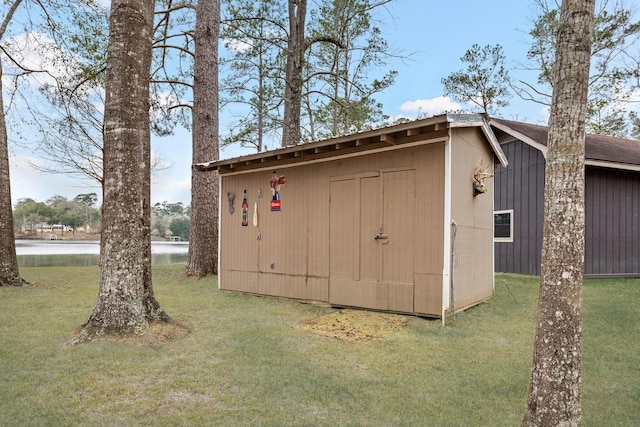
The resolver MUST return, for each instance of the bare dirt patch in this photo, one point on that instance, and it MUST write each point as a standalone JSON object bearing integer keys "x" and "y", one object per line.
{"x": 158, "y": 333}
{"x": 355, "y": 325}
{"x": 162, "y": 332}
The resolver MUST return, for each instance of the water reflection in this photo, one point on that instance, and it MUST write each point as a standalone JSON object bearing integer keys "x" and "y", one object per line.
{"x": 45, "y": 253}
{"x": 78, "y": 260}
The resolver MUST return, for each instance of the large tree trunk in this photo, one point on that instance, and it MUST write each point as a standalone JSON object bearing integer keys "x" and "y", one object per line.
{"x": 291, "y": 133}
{"x": 555, "y": 388}
{"x": 203, "y": 237}
{"x": 9, "y": 274}
{"x": 126, "y": 303}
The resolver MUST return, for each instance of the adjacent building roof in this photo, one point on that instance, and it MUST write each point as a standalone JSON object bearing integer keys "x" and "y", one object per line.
{"x": 405, "y": 134}
{"x": 600, "y": 150}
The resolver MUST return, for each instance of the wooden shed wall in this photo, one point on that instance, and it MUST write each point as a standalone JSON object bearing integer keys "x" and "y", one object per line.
{"x": 612, "y": 229}
{"x": 292, "y": 256}
{"x": 520, "y": 187}
{"x": 473, "y": 264}
{"x": 612, "y": 209}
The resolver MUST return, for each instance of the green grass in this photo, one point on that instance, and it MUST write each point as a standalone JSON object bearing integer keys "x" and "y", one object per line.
{"x": 246, "y": 363}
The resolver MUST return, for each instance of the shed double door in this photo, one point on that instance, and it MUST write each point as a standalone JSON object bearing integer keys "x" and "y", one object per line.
{"x": 372, "y": 232}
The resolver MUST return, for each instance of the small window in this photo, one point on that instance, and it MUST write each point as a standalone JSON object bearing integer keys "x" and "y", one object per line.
{"x": 503, "y": 226}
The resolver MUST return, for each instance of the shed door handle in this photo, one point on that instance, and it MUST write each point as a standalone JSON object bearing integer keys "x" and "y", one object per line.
{"x": 381, "y": 236}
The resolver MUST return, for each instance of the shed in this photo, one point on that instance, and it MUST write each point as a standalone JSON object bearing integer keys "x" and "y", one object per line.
{"x": 393, "y": 219}
{"x": 612, "y": 202}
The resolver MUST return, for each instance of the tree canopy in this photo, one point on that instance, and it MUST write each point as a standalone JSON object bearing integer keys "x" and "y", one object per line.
{"x": 485, "y": 82}
{"x": 615, "y": 71}
{"x": 310, "y": 79}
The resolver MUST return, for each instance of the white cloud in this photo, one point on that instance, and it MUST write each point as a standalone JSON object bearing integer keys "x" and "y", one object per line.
{"x": 237, "y": 46}
{"x": 36, "y": 51}
{"x": 430, "y": 107}
{"x": 27, "y": 182}
{"x": 171, "y": 188}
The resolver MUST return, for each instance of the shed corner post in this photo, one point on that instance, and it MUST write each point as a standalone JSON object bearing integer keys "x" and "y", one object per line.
{"x": 446, "y": 267}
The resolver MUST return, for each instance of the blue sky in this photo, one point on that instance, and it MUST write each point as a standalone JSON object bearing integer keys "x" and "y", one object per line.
{"x": 435, "y": 34}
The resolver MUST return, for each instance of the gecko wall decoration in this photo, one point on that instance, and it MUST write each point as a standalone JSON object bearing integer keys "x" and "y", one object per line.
{"x": 230, "y": 198}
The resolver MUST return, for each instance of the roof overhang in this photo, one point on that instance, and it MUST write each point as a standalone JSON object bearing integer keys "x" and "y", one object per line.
{"x": 522, "y": 137}
{"x": 612, "y": 165}
{"x": 592, "y": 142}
{"x": 481, "y": 121}
{"x": 408, "y": 134}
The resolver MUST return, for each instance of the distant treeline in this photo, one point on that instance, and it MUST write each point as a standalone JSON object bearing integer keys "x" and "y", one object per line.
{"x": 81, "y": 215}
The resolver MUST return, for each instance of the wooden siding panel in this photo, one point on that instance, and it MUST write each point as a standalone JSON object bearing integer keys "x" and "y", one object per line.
{"x": 317, "y": 289}
{"x": 400, "y": 297}
{"x": 318, "y": 230}
{"x": 612, "y": 230}
{"x": 612, "y": 209}
{"x": 295, "y": 254}
{"x": 241, "y": 281}
{"x": 343, "y": 224}
{"x": 428, "y": 294}
{"x": 475, "y": 284}
{"x": 283, "y": 243}
{"x": 472, "y": 271}
{"x": 429, "y": 251}
{"x": 430, "y": 210}
{"x": 425, "y": 166}
{"x": 284, "y": 285}
{"x": 520, "y": 187}
{"x": 238, "y": 239}
{"x": 398, "y": 222}
{"x": 369, "y": 224}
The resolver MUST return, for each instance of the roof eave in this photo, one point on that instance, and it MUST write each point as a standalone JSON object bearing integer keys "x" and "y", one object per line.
{"x": 522, "y": 137}
{"x": 612, "y": 165}
{"x": 404, "y": 134}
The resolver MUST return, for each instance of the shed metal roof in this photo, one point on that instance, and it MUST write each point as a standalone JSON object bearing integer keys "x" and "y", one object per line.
{"x": 600, "y": 150}
{"x": 406, "y": 134}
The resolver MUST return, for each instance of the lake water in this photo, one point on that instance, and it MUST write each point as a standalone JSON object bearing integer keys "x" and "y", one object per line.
{"x": 72, "y": 253}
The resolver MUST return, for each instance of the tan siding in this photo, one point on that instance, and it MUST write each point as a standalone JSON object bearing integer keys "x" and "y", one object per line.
{"x": 400, "y": 297}
{"x": 399, "y": 223}
{"x": 429, "y": 230}
{"x": 239, "y": 252}
{"x": 243, "y": 281}
{"x": 317, "y": 289}
{"x": 317, "y": 196}
{"x": 368, "y": 226}
{"x": 363, "y": 228}
{"x": 297, "y": 247}
{"x": 428, "y": 294}
{"x": 283, "y": 243}
{"x": 343, "y": 257}
{"x": 285, "y": 285}
{"x": 430, "y": 210}
{"x": 473, "y": 267}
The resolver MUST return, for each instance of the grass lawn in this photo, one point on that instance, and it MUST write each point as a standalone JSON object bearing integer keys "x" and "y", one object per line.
{"x": 248, "y": 361}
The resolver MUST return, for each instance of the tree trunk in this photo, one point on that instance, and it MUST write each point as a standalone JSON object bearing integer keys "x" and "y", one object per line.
{"x": 555, "y": 387}
{"x": 291, "y": 133}
{"x": 126, "y": 303}
{"x": 203, "y": 237}
{"x": 9, "y": 273}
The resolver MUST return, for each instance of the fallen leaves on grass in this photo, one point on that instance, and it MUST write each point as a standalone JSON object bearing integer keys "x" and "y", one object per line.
{"x": 355, "y": 325}
{"x": 162, "y": 332}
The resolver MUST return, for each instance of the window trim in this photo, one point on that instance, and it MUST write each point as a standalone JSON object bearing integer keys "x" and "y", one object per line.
{"x": 503, "y": 239}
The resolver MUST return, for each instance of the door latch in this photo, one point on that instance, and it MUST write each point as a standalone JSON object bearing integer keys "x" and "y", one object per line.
{"x": 381, "y": 236}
